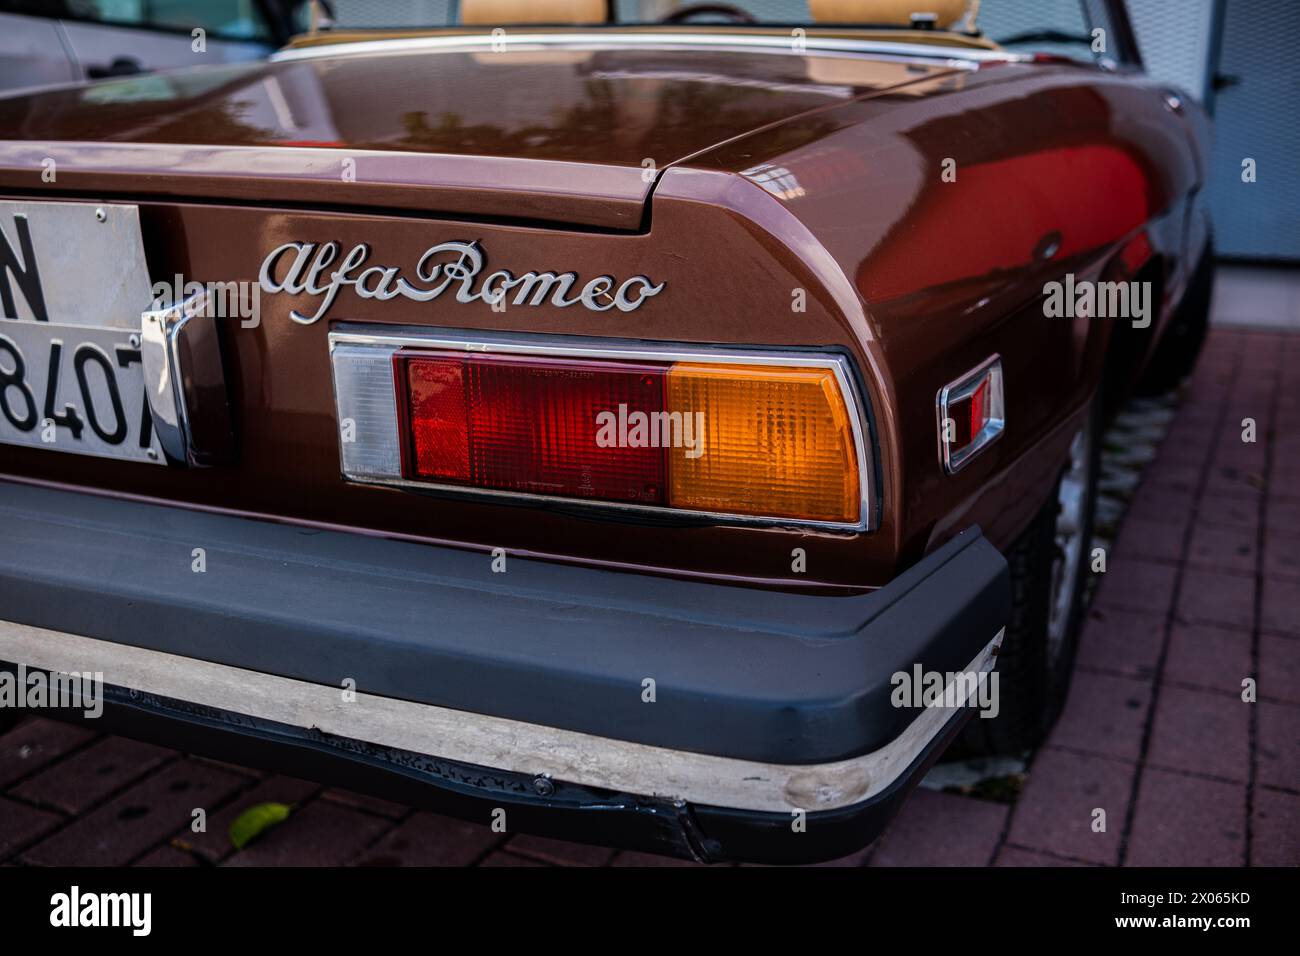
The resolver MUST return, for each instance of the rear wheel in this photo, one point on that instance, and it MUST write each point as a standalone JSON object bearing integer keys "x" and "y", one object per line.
{"x": 1048, "y": 564}
{"x": 1180, "y": 346}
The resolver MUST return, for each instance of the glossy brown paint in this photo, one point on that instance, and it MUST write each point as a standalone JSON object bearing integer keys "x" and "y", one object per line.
{"x": 949, "y": 272}
{"x": 566, "y": 136}
{"x": 772, "y": 184}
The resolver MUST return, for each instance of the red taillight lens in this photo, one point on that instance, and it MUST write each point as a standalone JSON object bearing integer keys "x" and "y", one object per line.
{"x": 439, "y": 425}
{"x": 969, "y": 416}
{"x": 526, "y": 424}
{"x": 978, "y": 408}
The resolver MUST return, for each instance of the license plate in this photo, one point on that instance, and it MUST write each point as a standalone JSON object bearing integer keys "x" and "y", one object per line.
{"x": 73, "y": 282}
{"x": 75, "y": 389}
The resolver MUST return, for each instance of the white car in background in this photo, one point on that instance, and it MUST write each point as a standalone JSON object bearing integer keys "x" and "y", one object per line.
{"x": 48, "y": 42}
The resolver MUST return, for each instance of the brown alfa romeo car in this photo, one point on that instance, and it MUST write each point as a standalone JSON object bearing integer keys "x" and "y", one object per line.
{"x": 671, "y": 432}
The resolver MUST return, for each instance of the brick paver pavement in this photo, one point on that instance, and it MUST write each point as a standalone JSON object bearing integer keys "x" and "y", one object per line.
{"x": 1201, "y": 592}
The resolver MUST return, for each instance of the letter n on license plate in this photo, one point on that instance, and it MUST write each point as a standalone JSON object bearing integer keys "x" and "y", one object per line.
{"x": 73, "y": 282}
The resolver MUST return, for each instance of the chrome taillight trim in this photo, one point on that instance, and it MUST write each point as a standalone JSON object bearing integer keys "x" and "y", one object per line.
{"x": 365, "y": 393}
{"x": 964, "y": 387}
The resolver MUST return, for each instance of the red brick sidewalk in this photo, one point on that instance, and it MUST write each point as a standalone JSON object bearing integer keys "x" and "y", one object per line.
{"x": 1202, "y": 591}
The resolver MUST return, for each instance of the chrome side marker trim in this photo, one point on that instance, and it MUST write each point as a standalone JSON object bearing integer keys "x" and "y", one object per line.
{"x": 987, "y": 376}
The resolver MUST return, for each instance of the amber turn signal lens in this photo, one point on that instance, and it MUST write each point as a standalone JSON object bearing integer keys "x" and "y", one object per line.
{"x": 778, "y": 442}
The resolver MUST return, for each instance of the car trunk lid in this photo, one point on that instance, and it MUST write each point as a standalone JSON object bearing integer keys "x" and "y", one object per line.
{"x": 564, "y": 136}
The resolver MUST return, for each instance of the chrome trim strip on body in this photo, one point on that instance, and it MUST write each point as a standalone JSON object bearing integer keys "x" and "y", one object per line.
{"x": 365, "y": 393}
{"x": 494, "y": 742}
{"x": 962, "y": 388}
{"x": 963, "y": 58}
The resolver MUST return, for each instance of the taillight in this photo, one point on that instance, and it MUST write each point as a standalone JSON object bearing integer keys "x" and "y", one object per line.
{"x": 775, "y": 441}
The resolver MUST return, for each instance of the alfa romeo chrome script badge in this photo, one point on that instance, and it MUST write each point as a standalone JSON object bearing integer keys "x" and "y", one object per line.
{"x": 304, "y": 268}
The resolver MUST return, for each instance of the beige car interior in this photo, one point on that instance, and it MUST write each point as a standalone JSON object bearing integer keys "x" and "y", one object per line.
{"x": 942, "y": 14}
{"x": 496, "y": 12}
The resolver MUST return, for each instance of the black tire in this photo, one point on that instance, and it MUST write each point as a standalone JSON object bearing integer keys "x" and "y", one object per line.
{"x": 1180, "y": 347}
{"x": 1033, "y": 673}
